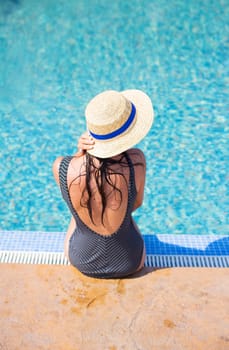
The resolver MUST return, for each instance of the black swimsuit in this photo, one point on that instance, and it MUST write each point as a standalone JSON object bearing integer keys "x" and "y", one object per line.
{"x": 112, "y": 256}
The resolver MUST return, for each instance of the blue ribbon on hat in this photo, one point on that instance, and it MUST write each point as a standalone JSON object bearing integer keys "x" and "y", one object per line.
{"x": 119, "y": 131}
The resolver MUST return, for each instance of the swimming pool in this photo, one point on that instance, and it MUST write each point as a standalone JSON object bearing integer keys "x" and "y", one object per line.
{"x": 56, "y": 55}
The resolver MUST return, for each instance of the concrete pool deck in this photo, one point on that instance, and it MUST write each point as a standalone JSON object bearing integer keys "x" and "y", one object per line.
{"x": 56, "y": 307}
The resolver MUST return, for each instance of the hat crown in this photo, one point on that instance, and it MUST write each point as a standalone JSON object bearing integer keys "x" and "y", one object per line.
{"x": 107, "y": 112}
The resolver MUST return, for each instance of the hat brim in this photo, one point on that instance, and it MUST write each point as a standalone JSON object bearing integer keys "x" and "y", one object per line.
{"x": 143, "y": 122}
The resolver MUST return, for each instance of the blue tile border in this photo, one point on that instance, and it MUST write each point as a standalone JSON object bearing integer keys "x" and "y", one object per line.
{"x": 206, "y": 245}
{"x": 163, "y": 244}
{"x": 32, "y": 241}
{"x": 162, "y": 250}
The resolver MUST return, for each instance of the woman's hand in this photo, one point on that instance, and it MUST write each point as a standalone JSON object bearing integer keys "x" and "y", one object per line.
{"x": 85, "y": 143}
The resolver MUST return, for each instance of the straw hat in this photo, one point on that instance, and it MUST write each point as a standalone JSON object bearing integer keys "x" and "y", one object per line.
{"x": 118, "y": 120}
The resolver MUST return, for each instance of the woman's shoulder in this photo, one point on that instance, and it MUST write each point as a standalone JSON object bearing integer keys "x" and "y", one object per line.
{"x": 57, "y": 161}
{"x": 73, "y": 159}
{"x": 136, "y": 155}
{"x": 74, "y": 165}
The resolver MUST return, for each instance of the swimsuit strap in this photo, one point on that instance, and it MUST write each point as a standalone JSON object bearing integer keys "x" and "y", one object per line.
{"x": 63, "y": 172}
{"x": 132, "y": 173}
{"x": 132, "y": 186}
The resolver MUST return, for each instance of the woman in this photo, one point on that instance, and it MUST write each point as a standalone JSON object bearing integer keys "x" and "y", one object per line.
{"x": 103, "y": 184}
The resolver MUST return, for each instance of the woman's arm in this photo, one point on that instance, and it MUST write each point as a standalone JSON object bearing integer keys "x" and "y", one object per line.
{"x": 137, "y": 156}
{"x": 71, "y": 229}
{"x": 85, "y": 142}
{"x": 55, "y": 169}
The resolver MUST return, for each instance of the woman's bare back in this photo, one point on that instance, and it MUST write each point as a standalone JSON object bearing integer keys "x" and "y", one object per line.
{"x": 116, "y": 204}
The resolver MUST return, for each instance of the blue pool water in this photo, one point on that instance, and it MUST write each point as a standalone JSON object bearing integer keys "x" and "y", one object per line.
{"x": 56, "y": 55}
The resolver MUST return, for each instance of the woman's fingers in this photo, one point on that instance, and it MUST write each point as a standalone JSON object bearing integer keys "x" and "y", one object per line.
{"x": 85, "y": 142}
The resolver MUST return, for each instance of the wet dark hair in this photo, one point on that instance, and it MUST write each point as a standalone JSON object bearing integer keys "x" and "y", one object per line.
{"x": 102, "y": 174}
